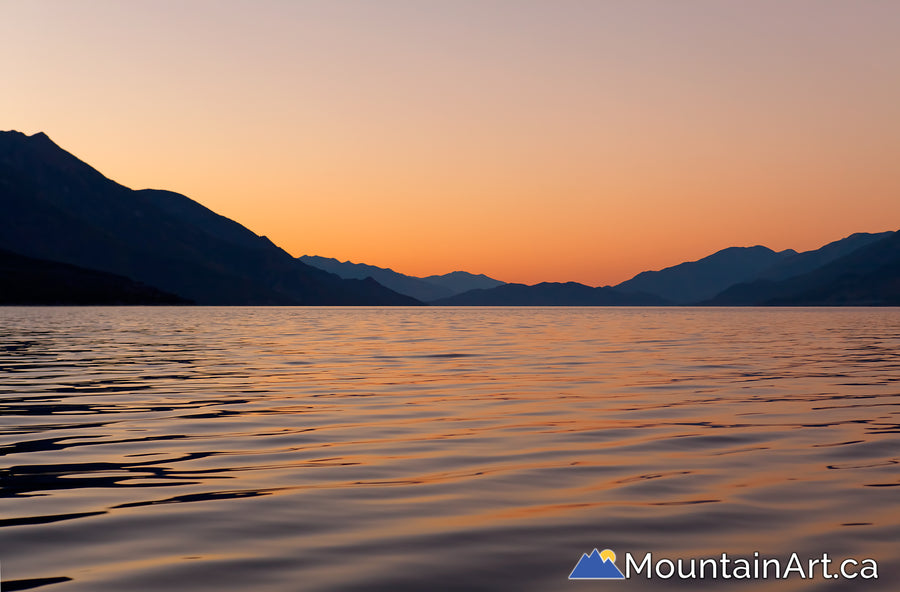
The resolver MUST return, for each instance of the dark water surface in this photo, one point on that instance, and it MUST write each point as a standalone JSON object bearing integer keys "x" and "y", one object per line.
{"x": 282, "y": 449}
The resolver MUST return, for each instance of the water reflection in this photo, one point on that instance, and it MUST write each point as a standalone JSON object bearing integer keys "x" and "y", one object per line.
{"x": 456, "y": 449}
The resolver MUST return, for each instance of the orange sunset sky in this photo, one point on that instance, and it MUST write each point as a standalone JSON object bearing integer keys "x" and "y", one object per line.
{"x": 531, "y": 141}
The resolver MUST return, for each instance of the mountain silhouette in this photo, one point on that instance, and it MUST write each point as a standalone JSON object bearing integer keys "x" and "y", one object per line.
{"x": 25, "y": 280}
{"x": 593, "y": 567}
{"x": 398, "y": 282}
{"x": 549, "y": 294}
{"x": 694, "y": 281}
{"x": 425, "y": 289}
{"x": 867, "y": 276}
{"x": 808, "y": 261}
{"x": 462, "y": 281}
{"x": 58, "y": 208}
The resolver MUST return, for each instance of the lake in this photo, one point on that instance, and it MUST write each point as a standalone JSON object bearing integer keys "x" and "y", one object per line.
{"x": 350, "y": 449}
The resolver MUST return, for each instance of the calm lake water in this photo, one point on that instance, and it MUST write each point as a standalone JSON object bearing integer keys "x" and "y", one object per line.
{"x": 283, "y": 449}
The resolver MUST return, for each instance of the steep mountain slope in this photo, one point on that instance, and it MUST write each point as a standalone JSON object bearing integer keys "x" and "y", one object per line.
{"x": 56, "y": 207}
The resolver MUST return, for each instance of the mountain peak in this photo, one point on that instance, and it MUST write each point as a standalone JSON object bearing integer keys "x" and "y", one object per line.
{"x": 39, "y": 136}
{"x": 42, "y": 140}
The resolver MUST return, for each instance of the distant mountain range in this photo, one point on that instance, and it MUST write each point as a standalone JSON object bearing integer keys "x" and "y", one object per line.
{"x": 55, "y": 207}
{"x": 425, "y": 289}
{"x": 700, "y": 280}
{"x": 862, "y": 269}
{"x": 461, "y": 281}
{"x": 549, "y": 294}
{"x": 70, "y": 235}
{"x": 866, "y": 276}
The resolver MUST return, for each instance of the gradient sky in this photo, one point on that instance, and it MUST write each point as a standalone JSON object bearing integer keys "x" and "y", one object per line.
{"x": 532, "y": 141}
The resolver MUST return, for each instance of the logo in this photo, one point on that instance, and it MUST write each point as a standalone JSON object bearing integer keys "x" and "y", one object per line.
{"x": 597, "y": 566}
{"x": 600, "y": 565}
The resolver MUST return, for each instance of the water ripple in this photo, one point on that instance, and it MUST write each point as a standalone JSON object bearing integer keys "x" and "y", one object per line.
{"x": 280, "y": 449}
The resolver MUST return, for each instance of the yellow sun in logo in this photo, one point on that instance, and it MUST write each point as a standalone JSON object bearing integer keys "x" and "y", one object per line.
{"x": 608, "y": 554}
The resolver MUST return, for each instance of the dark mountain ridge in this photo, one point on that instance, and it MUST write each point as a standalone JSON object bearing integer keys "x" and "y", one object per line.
{"x": 426, "y": 289}
{"x": 399, "y": 282}
{"x": 866, "y": 276}
{"x": 58, "y": 208}
{"x": 693, "y": 281}
{"x": 808, "y": 261}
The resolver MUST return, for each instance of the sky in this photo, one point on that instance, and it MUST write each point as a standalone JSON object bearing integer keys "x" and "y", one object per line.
{"x": 531, "y": 141}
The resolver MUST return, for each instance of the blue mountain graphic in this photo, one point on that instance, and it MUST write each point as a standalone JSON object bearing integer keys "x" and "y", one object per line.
{"x": 592, "y": 567}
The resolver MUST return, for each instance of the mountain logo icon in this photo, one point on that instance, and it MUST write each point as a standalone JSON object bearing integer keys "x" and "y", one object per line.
{"x": 597, "y": 566}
